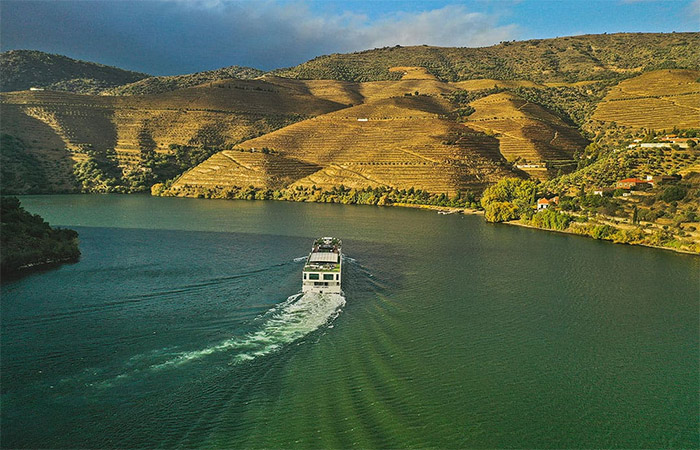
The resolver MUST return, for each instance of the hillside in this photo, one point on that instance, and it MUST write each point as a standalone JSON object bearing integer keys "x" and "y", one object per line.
{"x": 656, "y": 100}
{"x": 157, "y": 85}
{"x": 565, "y": 59}
{"x": 69, "y": 137}
{"x": 399, "y": 142}
{"x": 528, "y": 134}
{"x": 412, "y": 130}
{"x": 23, "y": 69}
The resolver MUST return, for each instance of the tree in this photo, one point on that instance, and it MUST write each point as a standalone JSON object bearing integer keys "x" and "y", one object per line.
{"x": 501, "y": 212}
{"x": 674, "y": 193}
{"x": 520, "y": 193}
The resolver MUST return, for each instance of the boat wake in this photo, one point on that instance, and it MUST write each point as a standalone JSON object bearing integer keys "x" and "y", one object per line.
{"x": 293, "y": 319}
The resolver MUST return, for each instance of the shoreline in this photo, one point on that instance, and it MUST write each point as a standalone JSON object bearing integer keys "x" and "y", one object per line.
{"x": 519, "y": 223}
{"x": 448, "y": 209}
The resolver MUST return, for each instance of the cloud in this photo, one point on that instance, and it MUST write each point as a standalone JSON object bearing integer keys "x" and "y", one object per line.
{"x": 694, "y": 10}
{"x": 450, "y": 26}
{"x": 176, "y": 36}
{"x": 179, "y": 36}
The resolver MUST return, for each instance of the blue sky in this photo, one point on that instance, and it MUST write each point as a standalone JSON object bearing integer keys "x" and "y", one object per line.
{"x": 166, "y": 37}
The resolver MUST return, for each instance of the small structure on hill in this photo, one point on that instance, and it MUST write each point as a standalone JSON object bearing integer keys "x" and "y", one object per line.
{"x": 603, "y": 191}
{"x": 543, "y": 203}
{"x": 36, "y": 89}
{"x": 633, "y": 183}
{"x": 662, "y": 179}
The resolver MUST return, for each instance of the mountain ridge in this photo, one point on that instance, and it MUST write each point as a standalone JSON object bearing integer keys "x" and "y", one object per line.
{"x": 24, "y": 69}
{"x": 562, "y": 59}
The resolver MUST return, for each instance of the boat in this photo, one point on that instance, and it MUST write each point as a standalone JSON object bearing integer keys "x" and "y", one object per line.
{"x": 323, "y": 268}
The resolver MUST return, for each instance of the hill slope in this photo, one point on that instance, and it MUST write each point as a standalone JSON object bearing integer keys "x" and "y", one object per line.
{"x": 157, "y": 85}
{"x": 22, "y": 69}
{"x": 399, "y": 142}
{"x": 543, "y": 60}
{"x": 121, "y": 137}
{"x": 656, "y": 100}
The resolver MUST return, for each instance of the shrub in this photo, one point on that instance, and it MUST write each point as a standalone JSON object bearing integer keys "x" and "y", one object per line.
{"x": 551, "y": 220}
{"x": 674, "y": 193}
{"x": 501, "y": 212}
{"x": 520, "y": 193}
{"x": 602, "y": 231}
{"x": 628, "y": 236}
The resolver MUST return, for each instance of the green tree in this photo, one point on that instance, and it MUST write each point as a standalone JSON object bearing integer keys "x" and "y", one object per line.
{"x": 501, "y": 212}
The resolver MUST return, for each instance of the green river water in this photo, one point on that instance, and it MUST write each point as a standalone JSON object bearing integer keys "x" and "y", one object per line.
{"x": 182, "y": 326}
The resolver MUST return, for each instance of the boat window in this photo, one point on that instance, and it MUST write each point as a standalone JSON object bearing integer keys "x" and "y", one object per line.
{"x": 313, "y": 276}
{"x": 327, "y": 276}
{"x": 305, "y": 276}
{"x": 337, "y": 276}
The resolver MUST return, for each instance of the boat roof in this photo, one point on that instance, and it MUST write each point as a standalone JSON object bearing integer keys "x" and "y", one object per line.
{"x": 323, "y": 257}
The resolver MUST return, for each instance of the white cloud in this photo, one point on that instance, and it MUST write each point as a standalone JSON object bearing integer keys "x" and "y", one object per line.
{"x": 451, "y": 25}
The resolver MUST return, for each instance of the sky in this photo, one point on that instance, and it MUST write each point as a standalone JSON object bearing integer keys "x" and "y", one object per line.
{"x": 169, "y": 37}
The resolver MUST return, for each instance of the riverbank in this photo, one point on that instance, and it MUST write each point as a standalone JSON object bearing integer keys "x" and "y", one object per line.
{"x": 441, "y": 209}
{"x": 573, "y": 231}
{"x": 382, "y": 198}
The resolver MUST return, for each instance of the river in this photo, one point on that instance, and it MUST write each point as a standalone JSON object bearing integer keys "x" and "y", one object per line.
{"x": 182, "y": 326}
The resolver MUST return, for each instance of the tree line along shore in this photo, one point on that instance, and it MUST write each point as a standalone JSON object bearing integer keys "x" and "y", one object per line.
{"x": 29, "y": 242}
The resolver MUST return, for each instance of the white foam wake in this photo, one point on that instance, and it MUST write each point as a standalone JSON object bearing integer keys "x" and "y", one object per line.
{"x": 298, "y": 316}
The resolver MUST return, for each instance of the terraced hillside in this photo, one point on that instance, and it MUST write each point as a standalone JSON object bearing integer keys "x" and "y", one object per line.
{"x": 399, "y": 142}
{"x": 568, "y": 59}
{"x": 528, "y": 134}
{"x": 656, "y": 100}
{"x": 62, "y": 129}
{"x": 516, "y": 111}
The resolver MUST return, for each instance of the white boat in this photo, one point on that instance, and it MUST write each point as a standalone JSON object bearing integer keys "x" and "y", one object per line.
{"x": 323, "y": 269}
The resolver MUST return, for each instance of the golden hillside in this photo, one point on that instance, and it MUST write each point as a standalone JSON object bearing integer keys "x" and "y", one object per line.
{"x": 61, "y": 128}
{"x": 399, "y": 142}
{"x": 528, "y": 134}
{"x": 658, "y": 100}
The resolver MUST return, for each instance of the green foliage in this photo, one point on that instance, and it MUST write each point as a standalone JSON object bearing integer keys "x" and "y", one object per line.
{"x": 22, "y": 69}
{"x": 508, "y": 191}
{"x": 674, "y": 193}
{"x": 568, "y": 59}
{"x": 551, "y": 220}
{"x": 602, "y": 231}
{"x": 27, "y": 239}
{"x": 157, "y": 85}
{"x": 497, "y": 211}
{"x": 100, "y": 172}
{"x": 20, "y": 171}
{"x": 379, "y": 196}
{"x": 633, "y": 236}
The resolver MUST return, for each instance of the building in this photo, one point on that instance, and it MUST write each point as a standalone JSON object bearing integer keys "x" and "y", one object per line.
{"x": 633, "y": 183}
{"x": 662, "y": 179}
{"x": 681, "y": 143}
{"x": 543, "y": 203}
{"x": 603, "y": 191}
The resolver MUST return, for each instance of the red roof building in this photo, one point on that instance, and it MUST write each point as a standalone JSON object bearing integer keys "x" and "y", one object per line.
{"x": 543, "y": 203}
